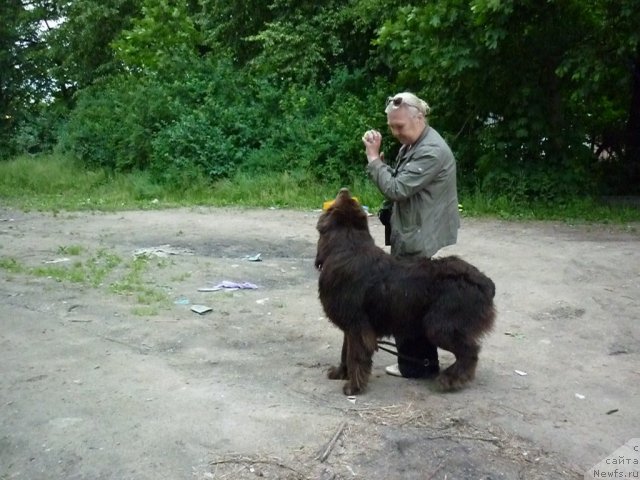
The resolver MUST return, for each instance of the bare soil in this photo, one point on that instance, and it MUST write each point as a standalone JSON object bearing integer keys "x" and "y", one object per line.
{"x": 94, "y": 388}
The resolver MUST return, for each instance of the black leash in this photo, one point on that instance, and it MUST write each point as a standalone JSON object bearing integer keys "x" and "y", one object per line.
{"x": 420, "y": 361}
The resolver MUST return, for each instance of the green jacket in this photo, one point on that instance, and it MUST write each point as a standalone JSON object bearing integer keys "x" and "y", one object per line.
{"x": 422, "y": 187}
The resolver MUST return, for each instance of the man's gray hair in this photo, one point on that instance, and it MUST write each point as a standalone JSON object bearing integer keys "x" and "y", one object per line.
{"x": 409, "y": 100}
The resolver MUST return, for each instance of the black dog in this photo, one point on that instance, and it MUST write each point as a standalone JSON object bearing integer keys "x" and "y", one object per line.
{"x": 369, "y": 294}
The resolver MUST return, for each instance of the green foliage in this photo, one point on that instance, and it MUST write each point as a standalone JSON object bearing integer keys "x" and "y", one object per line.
{"x": 48, "y": 51}
{"x": 163, "y": 32}
{"x": 54, "y": 175}
{"x": 292, "y": 41}
{"x": 498, "y": 74}
{"x": 214, "y": 132}
{"x": 38, "y": 131}
{"x": 319, "y": 129}
{"x": 226, "y": 26}
{"x": 100, "y": 190}
{"x": 24, "y": 64}
{"x": 57, "y": 182}
{"x": 190, "y": 148}
{"x": 532, "y": 96}
{"x": 114, "y": 123}
{"x": 80, "y": 46}
{"x": 294, "y": 48}
{"x": 183, "y": 128}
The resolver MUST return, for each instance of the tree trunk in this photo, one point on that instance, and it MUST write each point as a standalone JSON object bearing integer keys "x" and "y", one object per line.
{"x": 632, "y": 151}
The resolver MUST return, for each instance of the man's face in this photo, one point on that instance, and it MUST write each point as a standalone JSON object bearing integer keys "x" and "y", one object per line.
{"x": 405, "y": 125}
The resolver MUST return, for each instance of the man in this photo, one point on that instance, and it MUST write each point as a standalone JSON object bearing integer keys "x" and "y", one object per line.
{"x": 421, "y": 189}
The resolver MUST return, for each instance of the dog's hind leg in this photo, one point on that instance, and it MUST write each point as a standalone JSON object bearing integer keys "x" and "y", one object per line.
{"x": 340, "y": 372}
{"x": 360, "y": 347}
{"x": 464, "y": 368}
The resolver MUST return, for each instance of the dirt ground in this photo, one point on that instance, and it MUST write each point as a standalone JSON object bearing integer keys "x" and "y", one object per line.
{"x": 96, "y": 385}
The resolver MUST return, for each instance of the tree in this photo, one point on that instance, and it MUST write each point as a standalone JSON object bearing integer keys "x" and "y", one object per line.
{"x": 604, "y": 72}
{"x": 165, "y": 32}
{"x": 80, "y": 47}
{"x": 225, "y": 27}
{"x": 511, "y": 79}
{"x": 23, "y": 67}
{"x": 50, "y": 49}
{"x": 295, "y": 41}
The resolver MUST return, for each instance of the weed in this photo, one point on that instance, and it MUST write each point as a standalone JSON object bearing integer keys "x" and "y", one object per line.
{"x": 133, "y": 284}
{"x": 100, "y": 266}
{"x": 70, "y": 250}
{"x": 180, "y": 277}
{"x": 75, "y": 273}
{"x": 144, "y": 311}
{"x": 11, "y": 265}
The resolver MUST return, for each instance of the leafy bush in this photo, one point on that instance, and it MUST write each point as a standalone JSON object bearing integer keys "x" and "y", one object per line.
{"x": 191, "y": 148}
{"x": 178, "y": 125}
{"x": 319, "y": 129}
{"x": 530, "y": 171}
{"x": 113, "y": 124}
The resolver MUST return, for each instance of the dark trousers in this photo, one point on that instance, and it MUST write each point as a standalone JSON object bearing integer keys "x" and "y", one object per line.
{"x": 423, "y": 355}
{"x": 417, "y": 348}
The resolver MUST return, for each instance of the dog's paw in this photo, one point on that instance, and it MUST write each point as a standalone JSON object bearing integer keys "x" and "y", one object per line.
{"x": 350, "y": 389}
{"x": 450, "y": 383}
{"x": 337, "y": 373}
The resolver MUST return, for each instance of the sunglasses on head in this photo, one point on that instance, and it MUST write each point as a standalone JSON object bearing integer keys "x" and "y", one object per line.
{"x": 397, "y": 101}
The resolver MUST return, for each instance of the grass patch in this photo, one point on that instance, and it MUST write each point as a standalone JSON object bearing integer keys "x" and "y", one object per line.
{"x": 576, "y": 210}
{"x": 56, "y": 183}
{"x": 11, "y": 265}
{"x": 145, "y": 311}
{"x": 288, "y": 190}
{"x": 95, "y": 271}
{"x": 91, "y": 272}
{"x": 100, "y": 266}
{"x": 133, "y": 284}
{"x": 74, "y": 273}
{"x": 73, "y": 250}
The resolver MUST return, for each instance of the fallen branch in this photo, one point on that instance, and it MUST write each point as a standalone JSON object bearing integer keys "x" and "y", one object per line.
{"x": 242, "y": 460}
{"x": 430, "y": 477}
{"x": 333, "y": 441}
{"x": 494, "y": 440}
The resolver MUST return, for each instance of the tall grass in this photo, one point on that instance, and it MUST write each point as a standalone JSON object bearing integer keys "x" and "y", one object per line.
{"x": 289, "y": 189}
{"x": 56, "y": 182}
{"x": 575, "y": 210}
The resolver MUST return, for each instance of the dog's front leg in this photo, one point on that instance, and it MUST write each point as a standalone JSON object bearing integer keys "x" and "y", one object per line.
{"x": 360, "y": 347}
{"x": 340, "y": 372}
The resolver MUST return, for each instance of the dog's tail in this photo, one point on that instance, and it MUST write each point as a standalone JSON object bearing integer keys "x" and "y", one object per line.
{"x": 484, "y": 283}
{"x": 487, "y": 286}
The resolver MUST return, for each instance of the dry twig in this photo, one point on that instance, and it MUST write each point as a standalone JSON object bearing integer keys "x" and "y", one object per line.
{"x": 333, "y": 441}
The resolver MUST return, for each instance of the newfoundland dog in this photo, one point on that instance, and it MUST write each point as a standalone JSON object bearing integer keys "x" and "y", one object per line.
{"x": 369, "y": 295}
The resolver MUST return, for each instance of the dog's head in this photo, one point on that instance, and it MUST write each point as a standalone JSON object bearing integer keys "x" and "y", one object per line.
{"x": 344, "y": 212}
{"x": 343, "y": 220}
